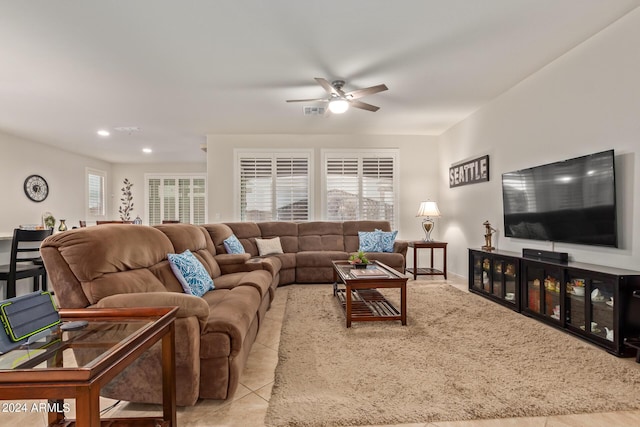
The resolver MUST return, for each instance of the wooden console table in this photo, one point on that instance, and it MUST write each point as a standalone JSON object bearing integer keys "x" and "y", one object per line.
{"x": 112, "y": 340}
{"x": 419, "y": 244}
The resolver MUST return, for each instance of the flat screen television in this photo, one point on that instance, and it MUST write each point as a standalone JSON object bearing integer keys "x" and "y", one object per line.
{"x": 572, "y": 201}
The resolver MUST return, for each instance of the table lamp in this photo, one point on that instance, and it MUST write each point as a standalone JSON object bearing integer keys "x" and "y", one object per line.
{"x": 428, "y": 210}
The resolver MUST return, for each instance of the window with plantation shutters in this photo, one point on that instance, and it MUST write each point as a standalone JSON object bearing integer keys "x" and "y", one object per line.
{"x": 273, "y": 185}
{"x": 95, "y": 197}
{"x": 360, "y": 185}
{"x": 175, "y": 198}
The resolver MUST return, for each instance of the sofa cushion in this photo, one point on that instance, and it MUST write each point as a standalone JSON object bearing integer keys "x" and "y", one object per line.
{"x": 231, "y": 311}
{"x": 194, "y": 238}
{"x": 351, "y": 228}
{"x": 269, "y": 246}
{"x": 319, "y": 258}
{"x": 247, "y": 232}
{"x": 257, "y": 279}
{"x": 286, "y": 260}
{"x": 190, "y": 273}
{"x": 369, "y": 241}
{"x": 320, "y": 236}
{"x": 232, "y": 245}
{"x": 95, "y": 257}
{"x": 122, "y": 282}
{"x": 218, "y": 232}
{"x": 387, "y": 239}
{"x": 285, "y": 230}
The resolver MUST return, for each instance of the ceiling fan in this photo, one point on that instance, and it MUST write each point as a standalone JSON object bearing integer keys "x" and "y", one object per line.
{"x": 339, "y": 100}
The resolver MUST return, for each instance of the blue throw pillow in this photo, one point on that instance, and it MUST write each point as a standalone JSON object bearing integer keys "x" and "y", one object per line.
{"x": 232, "y": 245}
{"x": 190, "y": 273}
{"x": 369, "y": 241}
{"x": 387, "y": 238}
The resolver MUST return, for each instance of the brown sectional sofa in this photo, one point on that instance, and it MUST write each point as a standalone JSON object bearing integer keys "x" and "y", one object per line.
{"x": 309, "y": 247}
{"x": 118, "y": 265}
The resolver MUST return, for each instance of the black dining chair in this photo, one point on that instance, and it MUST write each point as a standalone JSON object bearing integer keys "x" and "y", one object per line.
{"x": 25, "y": 260}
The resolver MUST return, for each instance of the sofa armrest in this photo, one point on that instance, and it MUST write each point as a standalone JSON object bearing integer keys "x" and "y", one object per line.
{"x": 271, "y": 264}
{"x": 232, "y": 263}
{"x": 401, "y": 246}
{"x": 188, "y": 305}
{"x": 226, "y": 259}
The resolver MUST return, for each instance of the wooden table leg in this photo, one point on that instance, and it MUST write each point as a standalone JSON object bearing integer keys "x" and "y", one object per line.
{"x": 56, "y": 417}
{"x": 431, "y": 258}
{"x": 169, "y": 376}
{"x": 444, "y": 266}
{"x": 403, "y": 303}
{"x": 88, "y": 407}
{"x": 348, "y": 307}
{"x": 415, "y": 263}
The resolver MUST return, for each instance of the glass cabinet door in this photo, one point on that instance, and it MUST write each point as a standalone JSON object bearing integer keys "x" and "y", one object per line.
{"x": 497, "y": 277}
{"x": 510, "y": 281}
{"x": 543, "y": 290}
{"x": 551, "y": 289}
{"x": 574, "y": 301}
{"x": 534, "y": 277}
{"x": 601, "y": 304}
{"x": 477, "y": 272}
{"x": 486, "y": 274}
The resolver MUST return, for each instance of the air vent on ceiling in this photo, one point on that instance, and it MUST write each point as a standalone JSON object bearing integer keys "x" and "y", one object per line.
{"x": 313, "y": 111}
{"x": 128, "y": 129}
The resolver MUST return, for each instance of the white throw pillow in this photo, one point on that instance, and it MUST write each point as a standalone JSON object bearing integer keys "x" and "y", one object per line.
{"x": 269, "y": 246}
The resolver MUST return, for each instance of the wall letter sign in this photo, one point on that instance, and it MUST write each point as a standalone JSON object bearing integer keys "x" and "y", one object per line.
{"x": 469, "y": 172}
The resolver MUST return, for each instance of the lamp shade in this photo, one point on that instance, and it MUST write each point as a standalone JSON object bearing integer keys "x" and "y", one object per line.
{"x": 428, "y": 209}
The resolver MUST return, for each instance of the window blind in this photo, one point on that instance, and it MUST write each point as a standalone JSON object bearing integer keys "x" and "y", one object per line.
{"x": 274, "y": 186}
{"x": 360, "y": 185}
{"x": 171, "y": 197}
{"x": 95, "y": 193}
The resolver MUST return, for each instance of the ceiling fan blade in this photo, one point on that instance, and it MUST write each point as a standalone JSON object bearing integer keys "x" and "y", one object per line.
{"x": 308, "y": 100}
{"x": 364, "y": 106}
{"x": 327, "y": 86}
{"x": 359, "y": 93}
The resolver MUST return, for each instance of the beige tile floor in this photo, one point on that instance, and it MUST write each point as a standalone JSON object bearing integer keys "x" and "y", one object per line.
{"x": 249, "y": 405}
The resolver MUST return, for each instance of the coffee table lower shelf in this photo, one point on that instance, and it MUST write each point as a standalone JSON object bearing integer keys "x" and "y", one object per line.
{"x": 368, "y": 305}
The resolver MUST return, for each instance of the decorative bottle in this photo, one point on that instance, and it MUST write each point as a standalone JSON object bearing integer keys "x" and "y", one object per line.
{"x": 63, "y": 226}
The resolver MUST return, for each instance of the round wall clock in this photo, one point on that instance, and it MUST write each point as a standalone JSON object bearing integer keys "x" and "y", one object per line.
{"x": 36, "y": 188}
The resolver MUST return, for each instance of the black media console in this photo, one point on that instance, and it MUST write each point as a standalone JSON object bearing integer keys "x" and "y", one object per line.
{"x": 596, "y": 303}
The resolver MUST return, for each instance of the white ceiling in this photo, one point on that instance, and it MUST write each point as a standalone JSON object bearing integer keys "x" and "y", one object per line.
{"x": 180, "y": 70}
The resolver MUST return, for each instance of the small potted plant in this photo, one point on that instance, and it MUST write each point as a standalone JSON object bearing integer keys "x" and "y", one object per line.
{"x": 359, "y": 260}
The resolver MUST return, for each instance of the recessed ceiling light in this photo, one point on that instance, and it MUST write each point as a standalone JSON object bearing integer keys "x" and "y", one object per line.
{"x": 103, "y": 132}
{"x": 147, "y": 150}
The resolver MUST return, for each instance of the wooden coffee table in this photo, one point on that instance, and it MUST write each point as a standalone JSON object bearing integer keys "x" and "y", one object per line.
{"x": 76, "y": 364}
{"x": 360, "y": 298}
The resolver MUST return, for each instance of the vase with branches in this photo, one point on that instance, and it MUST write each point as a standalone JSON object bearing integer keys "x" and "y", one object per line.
{"x": 127, "y": 201}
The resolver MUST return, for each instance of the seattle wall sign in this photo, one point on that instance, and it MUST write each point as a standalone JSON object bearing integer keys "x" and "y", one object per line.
{"x": 469, "y": 172}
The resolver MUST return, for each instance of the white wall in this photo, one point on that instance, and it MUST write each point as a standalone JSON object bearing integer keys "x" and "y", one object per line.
{"x": 135, "y": 173}
{"x": 419, "y": 169}
{"x": 63, "y": 171}
{"x": 586, "y": 101}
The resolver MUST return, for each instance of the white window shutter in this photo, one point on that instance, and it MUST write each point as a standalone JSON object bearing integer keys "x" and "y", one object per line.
{"x": 360, "y": 185}
{"x": 176, "y": 197}
{"x": 292, "y": 189}
{"x": 274, "y": 186}
{"x": 343, "y": 189}
{"x": 96, "y": 204}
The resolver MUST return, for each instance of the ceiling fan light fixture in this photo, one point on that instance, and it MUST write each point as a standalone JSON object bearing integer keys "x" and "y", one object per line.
{"x": 338, "y": 106}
